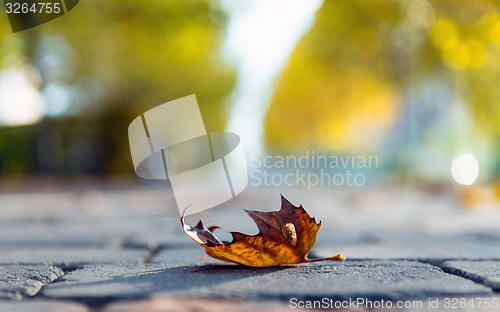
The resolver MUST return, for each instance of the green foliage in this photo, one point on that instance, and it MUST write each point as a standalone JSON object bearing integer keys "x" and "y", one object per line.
{"x": 150, "y": 51}
{"x": 17, "y": 151}
{"x": 120, "y": 58}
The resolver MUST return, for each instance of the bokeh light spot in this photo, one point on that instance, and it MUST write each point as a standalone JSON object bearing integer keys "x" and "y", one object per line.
{"x": 465, "y": 169}
{"x": 421, "y": 14}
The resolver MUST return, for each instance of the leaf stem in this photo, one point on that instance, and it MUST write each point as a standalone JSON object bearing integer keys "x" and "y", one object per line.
{"x": 338, "y": 257}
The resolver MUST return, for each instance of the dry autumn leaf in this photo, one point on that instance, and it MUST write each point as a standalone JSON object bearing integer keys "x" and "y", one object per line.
{"x": 285, "y": 237}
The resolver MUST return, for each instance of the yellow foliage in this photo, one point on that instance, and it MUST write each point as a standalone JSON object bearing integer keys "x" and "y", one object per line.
{"x": 444, "y": 33}
{"x": 341, "y": 88}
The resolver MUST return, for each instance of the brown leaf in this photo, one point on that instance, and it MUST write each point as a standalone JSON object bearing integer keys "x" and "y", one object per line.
{"x": 285, "y": 237}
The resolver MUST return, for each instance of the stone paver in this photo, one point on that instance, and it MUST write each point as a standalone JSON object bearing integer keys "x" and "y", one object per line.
{"x": 42, "y": 306}
{"x": 60, "y": 240}
{"x": 162, "y": 240}
{"x": 93, "y": 198}
{"x": 484, "y": 272}
{"x": 82, "y": 231}
{"x": 340, "y": 280}
{"x": 184, "y": 256}
{"x": 434, "y": 248}
{"x": 69, "y": 256}
{"x": 101, "y": 283}
{"x": 17, "y": 281}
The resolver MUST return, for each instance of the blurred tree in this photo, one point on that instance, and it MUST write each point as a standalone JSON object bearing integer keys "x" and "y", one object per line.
{"x": 364, "y": 62}
{"x": 105, "y": 62}
{"x": 336, "y": 93}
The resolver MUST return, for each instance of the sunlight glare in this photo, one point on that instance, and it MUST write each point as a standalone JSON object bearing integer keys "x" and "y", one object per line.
{"x": 465, "y": 169}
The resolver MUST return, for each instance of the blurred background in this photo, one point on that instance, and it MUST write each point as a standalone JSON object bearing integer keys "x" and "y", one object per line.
{"x": 416, "y": 83}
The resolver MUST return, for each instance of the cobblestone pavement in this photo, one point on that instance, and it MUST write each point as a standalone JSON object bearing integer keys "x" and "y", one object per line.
{"x": 120, "y": 247}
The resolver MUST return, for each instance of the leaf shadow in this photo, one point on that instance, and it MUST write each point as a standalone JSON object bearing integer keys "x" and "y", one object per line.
{"x": 180, "y": 281}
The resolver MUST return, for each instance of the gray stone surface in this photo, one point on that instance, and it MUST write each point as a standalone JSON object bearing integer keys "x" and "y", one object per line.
{"x": 161, "y": 240}
{"x": 71, "y": 240}
{"x": 101, "y": 234}
{"x": 17, "y": 281}
{"x": 81, "y": 231}
{"x": 97, "y": 204}
{"x": 101, "y": 283}
{"x": 69, "y": 256}
{"x": 42, "y": 306}
{"x": 338, "y": 280}
{"x": 429, "y": 247}
{"x": 90, "y": 198}
{"x": 328, "y": 238}
{"x": 484, "y": 272}
{"x": 184, "y": 256}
